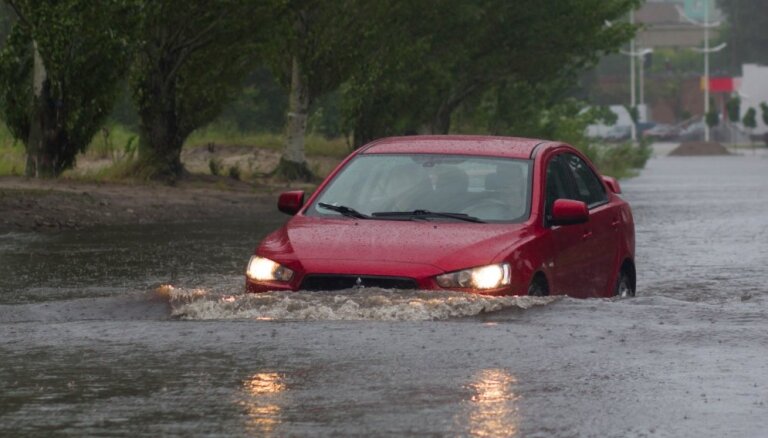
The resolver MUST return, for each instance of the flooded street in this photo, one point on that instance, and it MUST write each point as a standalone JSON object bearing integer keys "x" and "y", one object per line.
{"x": 93, "y": 342}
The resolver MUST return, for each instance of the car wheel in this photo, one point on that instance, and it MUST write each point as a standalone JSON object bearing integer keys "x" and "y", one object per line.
{"x": 624, "y": 287}
{"x": 538, "y": 287}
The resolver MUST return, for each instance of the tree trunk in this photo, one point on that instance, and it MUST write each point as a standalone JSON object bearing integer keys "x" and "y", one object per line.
{"x": 161, "y": 139}
{"x": 293, "y": 163}
{"x": 40, "y": 164}
{"x": 441, "y": 123}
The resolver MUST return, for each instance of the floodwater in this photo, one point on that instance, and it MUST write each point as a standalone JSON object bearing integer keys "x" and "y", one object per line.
{"x": 93, "y": 341}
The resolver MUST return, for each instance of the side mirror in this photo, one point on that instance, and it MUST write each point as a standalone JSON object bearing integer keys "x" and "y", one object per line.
{"x": 569, "y": 212}
{"x": 612, "y": 184}
{"x": 291, "y": 202}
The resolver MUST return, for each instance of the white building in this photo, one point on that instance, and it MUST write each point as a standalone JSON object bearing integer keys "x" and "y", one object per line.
{"x": 753, "y": 91}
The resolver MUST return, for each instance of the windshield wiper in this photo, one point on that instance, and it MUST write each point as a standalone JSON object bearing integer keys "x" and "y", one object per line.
{"x": 426, "y": 214}
{"x": 344, "y": 210}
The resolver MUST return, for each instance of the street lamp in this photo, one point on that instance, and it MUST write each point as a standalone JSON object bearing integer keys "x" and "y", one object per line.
{"x": 632, "y": 53}
{"x": 706, "y": 24}
{"x": 640, "y": 54}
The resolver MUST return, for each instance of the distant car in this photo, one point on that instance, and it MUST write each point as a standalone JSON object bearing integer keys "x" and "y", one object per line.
{"x": 662, "y": 132}
{"x": 693, "y": 132}
{"x": 619, "y": 133}
{"x": 490, "y": 215}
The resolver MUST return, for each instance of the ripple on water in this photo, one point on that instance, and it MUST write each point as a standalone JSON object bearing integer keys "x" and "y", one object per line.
{"x": 367, "y": 304}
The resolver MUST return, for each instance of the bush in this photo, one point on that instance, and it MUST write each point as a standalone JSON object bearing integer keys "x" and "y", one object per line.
{"x": 234, "y": 173}
{"x": 215, "y": 166}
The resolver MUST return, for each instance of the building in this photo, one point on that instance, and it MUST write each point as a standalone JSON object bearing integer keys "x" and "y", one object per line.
{"x": 753, "y": 90}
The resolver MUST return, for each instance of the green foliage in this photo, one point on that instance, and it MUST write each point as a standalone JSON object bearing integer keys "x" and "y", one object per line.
{"x": 259, "y": 106}
{"x": 745, "y": 31}
{"x": 676, "y": 62}
{"x": 634, "y": 114}
{"x": 620, "y": 160}
{"x": 84, "y": 48}
{"x": 325, "y": 37}
{"x": 214, "y": 165}
{"x": 712, "y": 118}
{"x": 750, "y": 119}
{"x": 234, "y": 172}
{"x": 11, "y": 153}
{"x": 6, "y": 22}
{"x": 192, "y": 59}
{"x": 222, "y": 134}
{"x": 733, "y": 107}
{"x": 429, "y": 61}
{"x": 764, "y": 111}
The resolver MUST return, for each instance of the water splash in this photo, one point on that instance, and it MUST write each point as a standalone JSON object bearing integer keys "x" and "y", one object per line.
{"x": 368, "y": 304}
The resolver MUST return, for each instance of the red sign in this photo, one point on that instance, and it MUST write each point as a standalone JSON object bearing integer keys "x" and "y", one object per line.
{"x": 720, "y": 84}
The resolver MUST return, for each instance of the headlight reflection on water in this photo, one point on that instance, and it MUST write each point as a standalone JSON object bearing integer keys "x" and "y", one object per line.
{"x": 262, "y": 391}
{"x": 492, "y": 409}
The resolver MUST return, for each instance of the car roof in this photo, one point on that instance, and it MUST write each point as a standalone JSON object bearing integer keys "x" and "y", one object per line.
{"x": 508, "y": 147}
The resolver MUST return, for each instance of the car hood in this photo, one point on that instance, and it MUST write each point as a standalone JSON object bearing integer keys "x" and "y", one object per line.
{"x": 445, "y": 246}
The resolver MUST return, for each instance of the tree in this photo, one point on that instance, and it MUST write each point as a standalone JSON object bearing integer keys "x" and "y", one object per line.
{"x": 6, "y": 22}
{"x": 733, "y": 106}
{"x": 59, "y": 74}
{"x": 191, "y": 58}
{"x": 311, "y": 55}
{"x": 750, "y": 121}
{"x": 764, "y": 110}
{"x": 745, "y": 31}
{"x": 437, "y": 59}
{"x": 712, "y": 118}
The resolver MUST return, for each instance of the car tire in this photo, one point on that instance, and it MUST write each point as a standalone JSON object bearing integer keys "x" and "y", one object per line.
{"x": 538, "y": 287}
{"x": 624, "y": 287}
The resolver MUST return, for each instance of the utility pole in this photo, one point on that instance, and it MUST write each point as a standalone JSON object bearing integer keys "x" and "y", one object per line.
{"x": 640, "y": 54}
{"x": 706, "y": 24}
{"x": 632, "y": 103}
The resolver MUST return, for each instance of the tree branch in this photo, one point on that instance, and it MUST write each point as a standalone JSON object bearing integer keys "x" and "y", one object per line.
{"x": 17, "y": 10}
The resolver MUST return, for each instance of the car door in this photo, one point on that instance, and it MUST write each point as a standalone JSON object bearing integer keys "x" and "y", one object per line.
{"x": 569, "y": 269}
{"x": 600, "y": 238}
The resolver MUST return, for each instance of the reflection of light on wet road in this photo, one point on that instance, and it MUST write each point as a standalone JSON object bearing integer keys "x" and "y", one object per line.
{"x": 492, "y": 409}
{"x": 264, "y": 415}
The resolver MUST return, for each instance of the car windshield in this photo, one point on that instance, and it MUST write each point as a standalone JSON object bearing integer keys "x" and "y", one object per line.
{"x": 484, "y": 189}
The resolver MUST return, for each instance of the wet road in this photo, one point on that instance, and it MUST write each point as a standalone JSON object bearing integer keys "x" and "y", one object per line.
{"x": 88, "y": 347}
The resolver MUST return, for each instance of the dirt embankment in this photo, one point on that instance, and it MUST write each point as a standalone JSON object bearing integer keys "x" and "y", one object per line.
{"x": 51, "y": 205}
{"x": 699, "y": 148}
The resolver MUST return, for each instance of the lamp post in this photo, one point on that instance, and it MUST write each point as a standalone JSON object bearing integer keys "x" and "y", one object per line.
{"x": 640, "y": 54}
{"x": 706, "y": 24}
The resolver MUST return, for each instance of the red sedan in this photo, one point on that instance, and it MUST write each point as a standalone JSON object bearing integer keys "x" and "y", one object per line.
{"x": 491, "y": 215}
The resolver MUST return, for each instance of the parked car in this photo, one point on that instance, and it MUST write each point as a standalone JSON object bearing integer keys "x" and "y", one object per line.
{"x": 662, "y": 132}
{"x": 619, "y": 133}
{"x": 490, "y": 215}
{"x": 693, "y": 132}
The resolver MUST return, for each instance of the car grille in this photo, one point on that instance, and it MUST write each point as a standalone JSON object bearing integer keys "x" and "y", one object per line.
{"x": 336, "y": 282}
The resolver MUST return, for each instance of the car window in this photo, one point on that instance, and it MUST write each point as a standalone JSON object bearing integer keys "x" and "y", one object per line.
{"x": 489, "y": 188}
{"x": 557, "y": 183}
{"x": 587, "y": 185}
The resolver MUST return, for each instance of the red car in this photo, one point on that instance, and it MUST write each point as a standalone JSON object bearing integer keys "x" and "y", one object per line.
{"x": 490, "y": 215}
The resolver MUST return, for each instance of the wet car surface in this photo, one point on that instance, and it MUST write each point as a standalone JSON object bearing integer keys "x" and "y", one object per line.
{"x": 478, "y": 214}
{"x": 87, "y": 347}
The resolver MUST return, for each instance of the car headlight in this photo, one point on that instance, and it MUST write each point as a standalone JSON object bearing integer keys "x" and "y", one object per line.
{"x": 482, "y": 277}
{"x": 263, "y": 269}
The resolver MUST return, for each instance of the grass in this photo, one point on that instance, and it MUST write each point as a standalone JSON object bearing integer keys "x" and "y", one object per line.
{"x": 619, "y": 160}
{"x": 114, "y": 141}
{"x": 316, "y": 145}
{"x": 12, "y": 159}
{"x": 119, "y": 144}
